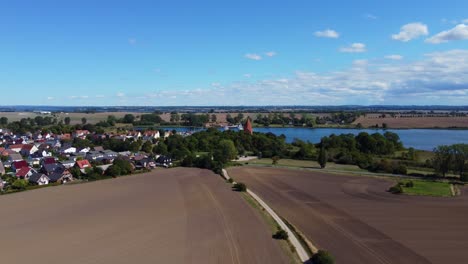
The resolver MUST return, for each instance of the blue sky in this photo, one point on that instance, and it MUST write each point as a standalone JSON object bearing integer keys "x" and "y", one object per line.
{"x": 233, "y": 53}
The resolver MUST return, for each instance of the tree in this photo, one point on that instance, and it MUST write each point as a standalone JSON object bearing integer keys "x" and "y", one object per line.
{"x": 128, "y": 119}
{"x": 322, "y": 257}
{"x": 225, "y": 151}
{"x": 3, "y": 121}
{"x": 281, "y": 235}
{"x": 322, "y": 158}
{"x": 275, "y": 160}
{"x": 113, "y": 171}
{"x": 147, "y": 147}
{"x": 20, "y": 184}
{"x": 84, "y": 120}
{"x": 240, "y": 187}
{"x": 213, "y": 118}
{"x": 111, "y": 120}
{"x": 460, "y": 158}
{"x": 67, "y": 120}
{"x": 442, "y": 159}
{"x": 160, "y": 148}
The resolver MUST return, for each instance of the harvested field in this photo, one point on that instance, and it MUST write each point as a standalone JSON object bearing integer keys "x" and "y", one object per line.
{"x": 358, "y": 221}
{"x": 166, "y": 216}
{"x": 414, "y": 122}
{"x": 75, "y": 118}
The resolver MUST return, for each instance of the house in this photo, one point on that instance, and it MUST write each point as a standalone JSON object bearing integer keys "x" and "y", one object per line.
{"x": 16, "y": 147}
{"x": 54, "y": 143}
{"x": 62, "y": 177}
{"x": 81, "y": 134}
{"x": 83, "y": 165}
{"x": 150, "y": 135}
{"x": 134, "y": 134}
{"x": 147, "y": 163}
{"x": 17, "y": 165}
{"x": 94, "y": 155}
{"x": 48, "y": 169}
{"x": 109, "y": 154}
{"x": 2, "y": 168}
{"x": 84, "y": 150}
{"x": 39, "y": 179}
{"x": 98, "y": 148}
{"x": 68, "y": 150}
{"x": 68, "y": 163}
{"x": 65, "y": 137}
{"x": 15, "y": 157}
{"x": 164, "y": 161}
{"x": 25, "y": 173}
{"x": 28, "y": 149}
{"x": 48, "y": 160}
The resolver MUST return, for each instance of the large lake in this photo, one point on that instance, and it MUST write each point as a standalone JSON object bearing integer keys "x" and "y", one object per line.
{"x": 424, "y": 139}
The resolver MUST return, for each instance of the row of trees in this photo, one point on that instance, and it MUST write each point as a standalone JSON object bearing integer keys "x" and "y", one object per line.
{"x": 451, "y": 158}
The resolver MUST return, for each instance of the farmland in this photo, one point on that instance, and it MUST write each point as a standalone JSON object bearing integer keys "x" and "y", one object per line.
{"x": 166, "y": 216}
{"x": 358, "y": 221}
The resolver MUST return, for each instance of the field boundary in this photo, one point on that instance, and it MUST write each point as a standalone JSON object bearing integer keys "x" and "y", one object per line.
{"x": 300, "y": 250}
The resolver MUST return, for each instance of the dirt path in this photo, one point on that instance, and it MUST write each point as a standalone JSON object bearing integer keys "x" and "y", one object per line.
{"x": 358, "y": 221}
{"x": 168, "y": 216}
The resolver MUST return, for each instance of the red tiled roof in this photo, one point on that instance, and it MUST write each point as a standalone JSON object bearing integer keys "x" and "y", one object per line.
{"x": 20, "y": 164}
{"x": 49, "y": 160}
{"x": 23, "y": 172}
{"x": 83, "y": 164}
{"x": 16, "y": 146}
{"x": 27, "y": 147}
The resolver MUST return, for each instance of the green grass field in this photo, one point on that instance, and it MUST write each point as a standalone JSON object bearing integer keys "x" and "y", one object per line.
{"x": 428, "y": 188}
{"x": 304, "y": 164}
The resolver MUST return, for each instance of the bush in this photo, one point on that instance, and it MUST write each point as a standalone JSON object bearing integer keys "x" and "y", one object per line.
{"x": 400, "y": 169}
{"x": 464, "y": 177}
{"x": 409, "y": 184}
{"x": 322, "y": 257}
{"x": 281, "y": 235}
{"x": 240, "y": 187}
{"x": 397, "y": 189}
{"x": 20, "y": 184}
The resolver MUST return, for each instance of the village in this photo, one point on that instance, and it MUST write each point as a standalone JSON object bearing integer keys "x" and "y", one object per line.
{"x": 37, "y": 159}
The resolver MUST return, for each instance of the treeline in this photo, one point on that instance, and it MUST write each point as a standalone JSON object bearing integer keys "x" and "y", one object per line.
{"x": 452, "y": 158}
{"x": 29, "y": 124}
{"x": 363, "y": 149}
{"x": 305, "y": 119}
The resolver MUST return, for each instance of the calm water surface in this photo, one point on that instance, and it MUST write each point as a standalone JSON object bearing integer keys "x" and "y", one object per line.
{"x": 425, "y": 139}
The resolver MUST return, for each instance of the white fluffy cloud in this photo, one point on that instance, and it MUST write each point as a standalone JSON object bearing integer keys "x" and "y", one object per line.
{"x": 271, "y": 53}
{"x": 394, "y": 57}
{"x": 354, "y": 48}
{"x": 438, "y": 77}
{"x": 327, "y": 33}
{"x": 459, "y": 32}
{"x": 411, "y": 31}
{"x": 253, "y": 56}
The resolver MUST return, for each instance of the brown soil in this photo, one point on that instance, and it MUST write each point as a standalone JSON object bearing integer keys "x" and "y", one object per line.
{"x": 358, "y": 221}
{"x": 167, "y": 216}
{"x": 414, "y": 122}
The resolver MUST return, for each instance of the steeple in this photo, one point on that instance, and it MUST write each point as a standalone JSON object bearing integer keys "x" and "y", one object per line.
{"x": 248, "y": 126}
